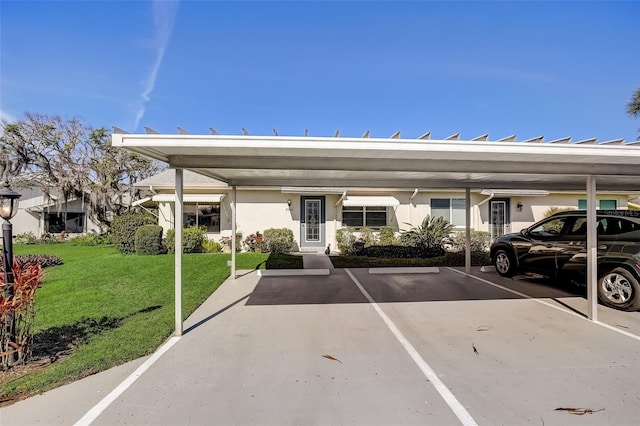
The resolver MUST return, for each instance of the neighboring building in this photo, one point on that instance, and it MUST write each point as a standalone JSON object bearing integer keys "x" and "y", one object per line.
{"x": 314, "y": 214}
{"x": 40, "y": 213}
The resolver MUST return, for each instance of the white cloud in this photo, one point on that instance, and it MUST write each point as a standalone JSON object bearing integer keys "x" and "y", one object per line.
{"x": 164, "y": 13}
{"x": 6, "y": 116}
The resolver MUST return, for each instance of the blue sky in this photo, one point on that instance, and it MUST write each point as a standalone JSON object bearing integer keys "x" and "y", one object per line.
{"x": 529, "y": 68}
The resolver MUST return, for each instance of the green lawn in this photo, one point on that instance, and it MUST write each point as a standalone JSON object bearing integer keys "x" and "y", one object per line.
{"x": 112, "y": 308}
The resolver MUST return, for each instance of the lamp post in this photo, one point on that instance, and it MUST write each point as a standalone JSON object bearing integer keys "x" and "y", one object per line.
{"x": 8, "y": 209}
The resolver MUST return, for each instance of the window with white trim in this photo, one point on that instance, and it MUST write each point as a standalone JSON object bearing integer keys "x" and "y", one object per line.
{"x": 452, "y": 209}
{"x": 360, "y": 217}
{"x": 602, "y": 204}
{"x": 203, "y": 215}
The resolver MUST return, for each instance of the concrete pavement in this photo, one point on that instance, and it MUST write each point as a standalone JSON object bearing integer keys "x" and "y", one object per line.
{"x": 254, "y": 353}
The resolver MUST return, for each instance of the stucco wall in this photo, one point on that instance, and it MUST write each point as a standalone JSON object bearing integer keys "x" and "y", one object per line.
{"x": 262, "y": 209}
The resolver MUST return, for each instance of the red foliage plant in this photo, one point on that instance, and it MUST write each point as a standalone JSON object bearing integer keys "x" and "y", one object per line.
{"x": 28, "y": 278}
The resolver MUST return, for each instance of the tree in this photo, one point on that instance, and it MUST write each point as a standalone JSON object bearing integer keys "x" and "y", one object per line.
{"x": 71, "y": 160}
{"x": 633, "y": 107}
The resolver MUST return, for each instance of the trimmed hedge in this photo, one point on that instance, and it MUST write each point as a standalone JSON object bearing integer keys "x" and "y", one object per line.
{"x": 149, "y": 240}
{"x": 402, "y": 252}
{"x": 277, "y": 240}
{"x": 192, "y": 240}
{"x": 123, "y": 230}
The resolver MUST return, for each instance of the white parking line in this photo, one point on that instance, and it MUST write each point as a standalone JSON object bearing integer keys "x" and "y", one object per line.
{"x": 526, "y": 296}
{"x": 93, "y": 414}
{"x": 457, "y": 408}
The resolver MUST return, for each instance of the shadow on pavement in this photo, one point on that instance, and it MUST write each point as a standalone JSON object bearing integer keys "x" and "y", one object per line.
{"x": 445, "y": 286}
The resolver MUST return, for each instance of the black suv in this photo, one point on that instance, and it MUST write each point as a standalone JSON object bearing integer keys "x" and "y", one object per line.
{"x": 556, "y": 247}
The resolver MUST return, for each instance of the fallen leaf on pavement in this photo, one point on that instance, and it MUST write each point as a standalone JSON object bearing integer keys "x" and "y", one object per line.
{"x": 578, "y": 411}
{"x": 331, "y": 358}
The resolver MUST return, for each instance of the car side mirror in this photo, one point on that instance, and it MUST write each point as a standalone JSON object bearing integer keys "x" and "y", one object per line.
{"x": 523, "y": 231}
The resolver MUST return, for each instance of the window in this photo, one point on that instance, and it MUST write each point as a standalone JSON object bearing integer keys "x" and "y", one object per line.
{"x": 549, "y": 228}
{"x": 616, "y": 225}
{"x": 74, "y": 222}
{"x": 452, "y": 209}
{"x": 207, "y": 216}
{"x": 359, "y": 217}
{"x": 602, "y": 204}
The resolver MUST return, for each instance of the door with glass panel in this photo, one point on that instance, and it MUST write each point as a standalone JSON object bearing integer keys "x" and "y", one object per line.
{"x": 312, "y": 222}
{"x": 499, "y": 217}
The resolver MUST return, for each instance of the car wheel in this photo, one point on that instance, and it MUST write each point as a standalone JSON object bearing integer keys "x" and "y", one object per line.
{"x": 619, "y": 289}
{"x": 504, "y": 263}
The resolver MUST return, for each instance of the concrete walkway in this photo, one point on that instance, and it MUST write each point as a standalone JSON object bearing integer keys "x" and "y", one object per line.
{"x": 316, "y": 261}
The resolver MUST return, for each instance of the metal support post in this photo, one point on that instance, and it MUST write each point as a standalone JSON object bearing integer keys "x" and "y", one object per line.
{"x": 178, "y": 219}
{"x": 592, "y": 250}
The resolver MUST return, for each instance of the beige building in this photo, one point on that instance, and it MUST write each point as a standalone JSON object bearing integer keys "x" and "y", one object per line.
{"x": 39, "y": 213}
{"x": 314, "y": 214}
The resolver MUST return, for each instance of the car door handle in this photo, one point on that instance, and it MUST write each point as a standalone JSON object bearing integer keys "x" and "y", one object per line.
{"x": 549, "y": 246}
{"x": 602, "y": 247}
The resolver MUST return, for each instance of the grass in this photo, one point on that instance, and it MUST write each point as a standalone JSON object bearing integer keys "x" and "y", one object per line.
{"x": 107, "y": 308}
{"x": 284, "y": 261}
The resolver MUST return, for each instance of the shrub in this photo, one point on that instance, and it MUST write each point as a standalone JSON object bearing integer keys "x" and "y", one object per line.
{"x": 254, "y": 241}
{"x": 480, "y": 241}
{"x": 44, "y": 260}
{"x": 478, "y": 258}
{"x": 212, "y": 247}
{"x": 226, "y": 241}
{"x": 88, "y": 240}
{"x": 27, "y": 238}
{"x": 368, "y": 237}
{"x": 433, "y": 232}
{"x": 149, "y": 240}
{"x": 387, "y": 236}
{"x": 123, "y": 230}
{"x": 49, "y": 238}
{"x": 278, "y": 240}
{"x": 192, "y": 240}
{"x": 345, "y": 238}
{"x": 402, "y": 252}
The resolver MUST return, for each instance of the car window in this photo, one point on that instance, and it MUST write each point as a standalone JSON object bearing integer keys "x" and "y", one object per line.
{"x": 579, "y": 227}
{"x": 616, "y": 225}
{"x": 549, "y": 228}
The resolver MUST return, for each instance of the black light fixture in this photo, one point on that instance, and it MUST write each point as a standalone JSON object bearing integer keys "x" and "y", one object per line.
{"x": 8, "y": 209}
{"x": 519, "y": 206}
{"x": 289, "y": 202}
{"x": 8, "y": 201}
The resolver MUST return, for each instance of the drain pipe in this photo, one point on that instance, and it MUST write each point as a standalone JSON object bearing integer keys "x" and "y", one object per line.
{"x": 486, "y": 200}
{"x": 335, "y": 224}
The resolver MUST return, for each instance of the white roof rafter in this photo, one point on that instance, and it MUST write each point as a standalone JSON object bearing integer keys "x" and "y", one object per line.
{"x": 287, "y": 161}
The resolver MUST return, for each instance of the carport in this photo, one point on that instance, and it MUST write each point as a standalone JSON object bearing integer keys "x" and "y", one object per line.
{"x": 418, "y": 164}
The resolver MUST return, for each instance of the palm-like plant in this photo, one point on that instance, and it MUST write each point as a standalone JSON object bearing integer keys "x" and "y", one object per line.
{"x": 633, "y": 107}
{"x": 434, "y": 231}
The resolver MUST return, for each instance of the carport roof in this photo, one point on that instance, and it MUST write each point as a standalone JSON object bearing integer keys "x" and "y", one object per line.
{"x": 260, "y": 161}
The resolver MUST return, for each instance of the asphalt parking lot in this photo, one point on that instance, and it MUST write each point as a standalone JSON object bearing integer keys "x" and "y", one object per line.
{"x": 355, "y": 348}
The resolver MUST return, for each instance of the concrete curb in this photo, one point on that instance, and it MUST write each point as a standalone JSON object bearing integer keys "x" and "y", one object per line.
{"x": 292, "y": 272}
{"x": 487, "y": 269}
{"x": 409, "y": 270}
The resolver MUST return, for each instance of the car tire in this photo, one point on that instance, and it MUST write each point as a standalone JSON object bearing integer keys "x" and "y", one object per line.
{"x": 619, "y": 289}
{"x": 505, "y": 263}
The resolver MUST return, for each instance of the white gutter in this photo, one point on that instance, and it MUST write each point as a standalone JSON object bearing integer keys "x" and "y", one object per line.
{"x": 491, "y": 195}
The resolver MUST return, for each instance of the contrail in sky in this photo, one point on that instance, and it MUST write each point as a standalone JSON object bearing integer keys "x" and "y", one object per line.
{"x": 164, "y": 13}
